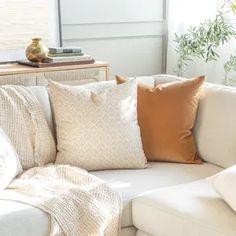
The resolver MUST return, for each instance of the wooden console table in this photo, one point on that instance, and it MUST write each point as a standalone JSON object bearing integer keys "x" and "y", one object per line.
{"x": 72, "y": 75}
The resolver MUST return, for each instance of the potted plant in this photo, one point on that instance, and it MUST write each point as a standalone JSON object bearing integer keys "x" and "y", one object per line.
{"x": 203, "y": 40}
{"x": 230, "y": 69}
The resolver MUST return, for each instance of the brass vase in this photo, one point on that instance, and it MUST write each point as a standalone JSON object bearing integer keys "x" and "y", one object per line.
{"x": 36, "y": 51}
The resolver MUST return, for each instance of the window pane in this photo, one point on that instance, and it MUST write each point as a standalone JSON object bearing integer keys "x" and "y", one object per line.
{"x": 21, "y": 20}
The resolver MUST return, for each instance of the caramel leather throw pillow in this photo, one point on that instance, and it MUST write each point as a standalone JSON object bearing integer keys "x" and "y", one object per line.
{"x": 166, "y": 116}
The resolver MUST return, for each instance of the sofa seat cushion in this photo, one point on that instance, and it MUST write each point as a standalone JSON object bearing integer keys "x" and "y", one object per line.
{"x": 21, "y": 219}
{"x": 141, "y": 233}
{"x": 28, "y": 220}
{"x": 131, "y": 183}
{"x": 128, "y": 231}
{"x": 184, "y": 210}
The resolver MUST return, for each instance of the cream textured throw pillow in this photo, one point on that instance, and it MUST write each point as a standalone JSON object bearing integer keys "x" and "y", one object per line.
{"x": 97, "y": 131}
{"x": 224, "y": 184}
{"x": 9, "y": 162}
{"x": 23, "y": 120}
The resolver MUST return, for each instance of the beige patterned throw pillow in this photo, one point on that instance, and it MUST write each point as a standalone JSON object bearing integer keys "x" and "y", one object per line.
{"x": 97, "y": 131}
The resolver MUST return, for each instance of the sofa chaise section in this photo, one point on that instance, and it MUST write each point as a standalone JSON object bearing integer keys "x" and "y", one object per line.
{"x": 131, "y": 183}
{"x": 191, "y": 209}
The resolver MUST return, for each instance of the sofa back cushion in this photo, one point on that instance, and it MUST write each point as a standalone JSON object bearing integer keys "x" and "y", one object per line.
{"x": 41, "y": 93}
{"x": 215, "y": 127}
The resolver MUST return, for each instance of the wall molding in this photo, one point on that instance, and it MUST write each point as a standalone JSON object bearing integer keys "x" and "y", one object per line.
{"x": 93, "y": 31}
{"x": 113, "y": 37}
{"x": 115, "y": 22}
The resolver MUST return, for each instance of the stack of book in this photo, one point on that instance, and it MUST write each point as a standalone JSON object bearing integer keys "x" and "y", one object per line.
{"x": 61, "y": 56}
{"x": 68, "y": 55}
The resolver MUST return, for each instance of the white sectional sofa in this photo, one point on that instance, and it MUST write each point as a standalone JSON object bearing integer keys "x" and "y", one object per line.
{"x": 165, "y": 199}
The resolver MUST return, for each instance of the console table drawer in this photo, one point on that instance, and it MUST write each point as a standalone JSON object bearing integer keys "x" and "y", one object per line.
{"x": 21, "y": 79}
{"x": 74, "y": 77}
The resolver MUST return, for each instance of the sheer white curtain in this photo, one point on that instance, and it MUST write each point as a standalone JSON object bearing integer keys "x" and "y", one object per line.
{"x": 181, "y": 15}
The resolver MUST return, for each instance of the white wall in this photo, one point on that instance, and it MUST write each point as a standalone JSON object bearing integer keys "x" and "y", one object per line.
{"x": 129, "y": 34}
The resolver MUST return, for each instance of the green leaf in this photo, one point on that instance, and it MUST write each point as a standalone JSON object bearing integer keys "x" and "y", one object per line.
{"x": 203, "y": 40}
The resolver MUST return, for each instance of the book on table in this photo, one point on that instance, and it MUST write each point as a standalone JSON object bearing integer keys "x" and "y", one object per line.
{"x": 54, "y": 64}
{"x": 56, "y": 50}
{"x": 65, "y": 54}
{"x": 71, "y": 58}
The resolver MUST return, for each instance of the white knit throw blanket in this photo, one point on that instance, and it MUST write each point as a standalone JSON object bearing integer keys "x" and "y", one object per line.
{"x": 79, "y": 203}
{"x": 22, "y": 118}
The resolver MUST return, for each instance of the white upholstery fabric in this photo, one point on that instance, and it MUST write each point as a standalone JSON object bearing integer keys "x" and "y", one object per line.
{"x": 224, "y": 184}
{"x": 130, "y": 183}
{"x": 145, "y": 80}
{"x": 163, "y": 78}
{"x": 215, "y": 124}
{"x": 141, "y": 233}
{"x": 41, "y": 93}
{"x": 38, "y": 222}
{"x": 9, "y": 162}
{"x": 128, "y": 231}
{"x": 22, "y": 220}
{"x": 191, "y": 209}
